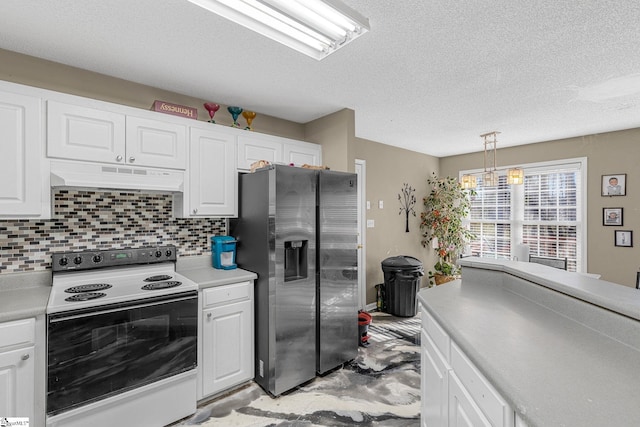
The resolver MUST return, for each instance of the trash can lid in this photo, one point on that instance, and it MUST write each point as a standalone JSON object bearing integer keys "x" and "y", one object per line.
{"x": 402, "y": 262}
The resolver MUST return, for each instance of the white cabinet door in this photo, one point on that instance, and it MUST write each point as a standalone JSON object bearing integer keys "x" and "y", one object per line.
{"x": 21, "y": 139}
{"x": 463, "y": 411}
{"x": 17, "y": 371}
{"x": 77, "y": 132}
{"x": 435, "y": 385}
{"x": 301, "y": 153}
{"x": 252, "y": 148}
{"x": 213, "y": 180}
{"x": 156, "y": 143}
{"x": 82, "y": 133}
{"x": 227, "y": 346}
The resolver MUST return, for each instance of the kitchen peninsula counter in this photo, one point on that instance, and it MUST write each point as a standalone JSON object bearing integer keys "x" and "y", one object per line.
{"x": 200, "y": 270}
{"x": 561, "y": 348}
{"x": 24, "y": 295}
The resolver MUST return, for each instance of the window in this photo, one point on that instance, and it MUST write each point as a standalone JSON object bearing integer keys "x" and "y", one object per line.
{"x": 546, "y": 213}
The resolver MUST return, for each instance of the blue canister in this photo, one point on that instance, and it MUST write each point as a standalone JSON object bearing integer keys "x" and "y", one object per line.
{"x": 223, "y": 252}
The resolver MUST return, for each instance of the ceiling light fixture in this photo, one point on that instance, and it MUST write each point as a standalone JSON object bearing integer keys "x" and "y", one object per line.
{"x": 490, "y": 177}
{"x": 316, "y": 28}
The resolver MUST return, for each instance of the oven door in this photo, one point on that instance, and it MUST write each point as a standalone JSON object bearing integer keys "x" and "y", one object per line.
{"x": 95, "y": 353}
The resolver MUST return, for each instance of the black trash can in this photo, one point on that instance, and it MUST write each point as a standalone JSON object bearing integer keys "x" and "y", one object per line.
{"x": 402, "y": 281}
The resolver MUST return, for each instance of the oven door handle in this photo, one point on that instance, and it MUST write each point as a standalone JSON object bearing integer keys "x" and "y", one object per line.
{"x": 61, "y": 317}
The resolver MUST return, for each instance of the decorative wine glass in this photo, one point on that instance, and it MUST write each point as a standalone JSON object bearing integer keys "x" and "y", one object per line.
{"x": 235, "y": 112}
{"x": 249, "y": 116}
{"x": 211, "y": 108}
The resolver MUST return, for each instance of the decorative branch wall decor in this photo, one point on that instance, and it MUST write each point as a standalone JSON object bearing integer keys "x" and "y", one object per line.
{"x": 407, "y": 200}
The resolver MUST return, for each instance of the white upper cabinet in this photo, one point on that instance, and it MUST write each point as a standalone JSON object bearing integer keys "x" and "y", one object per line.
{"x": 78, "y": 132}
{"x": 212, "y": 179}
{"x": 252, "y": 147}
{"x": 21, "y": 171}
{"x": 156, "y": 143}
{"x": 301, "y": 153}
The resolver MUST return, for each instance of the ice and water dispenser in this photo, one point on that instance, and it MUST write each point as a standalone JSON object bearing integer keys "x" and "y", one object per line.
{"x": 223, "y": 252}
{"x": 295, "y": 260}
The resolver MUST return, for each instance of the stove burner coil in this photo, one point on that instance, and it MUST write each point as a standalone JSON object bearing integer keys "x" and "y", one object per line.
{"x": 161, "y": 285}
{"x": 158, "y": 278}
{"x": 91, "y": 287}
{"x": 85, "y": 296}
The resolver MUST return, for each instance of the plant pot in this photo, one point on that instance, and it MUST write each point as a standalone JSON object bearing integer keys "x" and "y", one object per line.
{"x": 439, "y": 279}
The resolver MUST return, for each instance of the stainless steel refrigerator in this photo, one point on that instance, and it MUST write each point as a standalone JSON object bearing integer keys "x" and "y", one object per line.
{"x": 297, "y": 230}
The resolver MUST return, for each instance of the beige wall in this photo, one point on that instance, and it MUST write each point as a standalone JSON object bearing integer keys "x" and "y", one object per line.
{"x": 27, "y": 70}
{"x": 335, "y": 133}
{"x": 387, "y": 169}
{"x": 607, "y": 154}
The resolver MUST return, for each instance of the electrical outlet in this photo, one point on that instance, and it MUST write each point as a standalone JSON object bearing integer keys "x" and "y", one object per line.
{"x": 370, "y": 223}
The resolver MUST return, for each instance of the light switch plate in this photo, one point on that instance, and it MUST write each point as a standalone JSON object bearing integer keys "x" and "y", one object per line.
{"x": 380, "y": 204}
{"x": 370, "y": 223}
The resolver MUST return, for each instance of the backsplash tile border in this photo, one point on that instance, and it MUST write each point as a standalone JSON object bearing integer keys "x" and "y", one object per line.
{"x": 86, "y": 219}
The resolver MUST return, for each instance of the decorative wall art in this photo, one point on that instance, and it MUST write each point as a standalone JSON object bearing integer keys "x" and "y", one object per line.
{"x": 407, "y": 201}
{"x": 612, "y": 216}
{"x": 624, "y": 238}
{"x": 614, "y": 185}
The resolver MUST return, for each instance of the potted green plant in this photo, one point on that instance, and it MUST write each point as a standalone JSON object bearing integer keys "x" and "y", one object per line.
{"x": 441, "y": 224}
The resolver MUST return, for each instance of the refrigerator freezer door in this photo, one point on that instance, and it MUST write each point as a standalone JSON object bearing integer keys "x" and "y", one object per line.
{"x": 292, "y": 299}
{"x": 337, "y": 287}
{"x": 277, "y": 240}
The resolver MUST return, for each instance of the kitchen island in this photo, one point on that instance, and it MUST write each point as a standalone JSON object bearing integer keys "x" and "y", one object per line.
{"x": 528, "y": 344}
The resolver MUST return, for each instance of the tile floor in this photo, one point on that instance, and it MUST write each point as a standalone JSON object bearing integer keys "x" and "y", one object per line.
{"x": 381, "y": 387}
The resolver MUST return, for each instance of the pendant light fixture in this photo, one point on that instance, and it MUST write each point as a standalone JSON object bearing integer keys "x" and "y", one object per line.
{"x": 490, "y": 175}
{"x": 316, "y": 28}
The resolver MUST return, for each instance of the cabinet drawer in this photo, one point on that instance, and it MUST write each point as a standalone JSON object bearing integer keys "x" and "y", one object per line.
{"x": 19, "y": 332}
{"x": 485, "y": 396}
{"x": 227, "y": 293}
{"x": 437, "y": 334}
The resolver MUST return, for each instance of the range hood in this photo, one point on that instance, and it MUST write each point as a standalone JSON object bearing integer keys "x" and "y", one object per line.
{"x": 121, "y": 177}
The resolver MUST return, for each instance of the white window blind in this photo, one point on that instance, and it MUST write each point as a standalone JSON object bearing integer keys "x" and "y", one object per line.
{"x": 546, "y": 214}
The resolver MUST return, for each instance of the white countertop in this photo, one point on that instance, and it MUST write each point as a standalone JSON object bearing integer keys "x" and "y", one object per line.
{"x": 24, "y": 295}
{"x": 554, "y": 368}
{"x": 200, "y": 270}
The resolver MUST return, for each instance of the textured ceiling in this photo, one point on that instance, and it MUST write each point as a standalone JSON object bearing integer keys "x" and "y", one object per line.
{"x": 430, "y": 76}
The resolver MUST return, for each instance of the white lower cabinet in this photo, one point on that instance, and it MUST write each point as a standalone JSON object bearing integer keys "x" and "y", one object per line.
{"x": 17, "y": 369}
{"x": 463, "y": 410}
{"x": 227, "y": 347}
{"x": 435, "y": 385}
{"x": 454, "y": 392}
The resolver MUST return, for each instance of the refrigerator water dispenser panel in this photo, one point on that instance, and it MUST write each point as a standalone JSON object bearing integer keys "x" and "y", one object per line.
{"x": 295, "y": 260}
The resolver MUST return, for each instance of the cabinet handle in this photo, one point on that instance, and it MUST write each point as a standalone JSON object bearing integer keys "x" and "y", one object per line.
{"x": 25, "y": 357}
{"x": 195, "y": 211}
{"x": 118, "y": 158}
{"x": 132, "y": 159}
{"x": 209, "y": 315}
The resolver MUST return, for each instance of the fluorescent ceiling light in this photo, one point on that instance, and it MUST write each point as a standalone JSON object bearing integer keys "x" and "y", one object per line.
{"x": 314, "y": 27}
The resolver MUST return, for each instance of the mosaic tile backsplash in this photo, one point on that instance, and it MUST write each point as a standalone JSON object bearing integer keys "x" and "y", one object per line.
{"x": 101, "y": 220}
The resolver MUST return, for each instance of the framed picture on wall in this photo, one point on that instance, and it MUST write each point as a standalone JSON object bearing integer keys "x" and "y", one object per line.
{"x": 611, "y": 216}
{"x": 624, "y": 238}
{"x": 614, "y": 185}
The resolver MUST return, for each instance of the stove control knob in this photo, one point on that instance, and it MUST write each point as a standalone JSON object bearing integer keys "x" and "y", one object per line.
{"x": 77, "y": 260}
{"x": 63, "y": 261}
{"x": 168, "y": 253}
{"x": 158, "y": 254}
{"x": 97, "y": 258}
